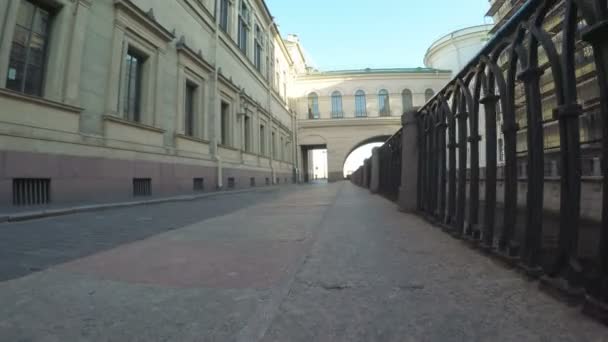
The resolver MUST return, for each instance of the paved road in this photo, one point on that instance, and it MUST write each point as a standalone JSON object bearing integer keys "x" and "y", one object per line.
{"x": 315, "y": 263}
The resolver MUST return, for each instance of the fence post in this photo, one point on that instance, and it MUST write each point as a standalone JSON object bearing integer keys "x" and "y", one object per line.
{"x": 409, "y": 163}
{"x": 374, "y": 184}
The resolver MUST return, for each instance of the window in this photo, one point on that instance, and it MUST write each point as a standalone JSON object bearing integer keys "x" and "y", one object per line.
{"x": 406, "y": 98}
{"x": 133, "y": 84}
{"x": 313, "y": 106}
{"x": 247, "y": 123}
{"x": 224, "y": 10}
{"x": 281, "y": 150}
{"x": 258, "y": 48}
{"x": 383, "y": 103}
{"x": 190, "y": 109}
{"x": 244, "y": 17}
{"x": 262, "y": 140}
{"x": 28, "y": 52}
{"x": 428, "y": 94}
{"x": 285, "y": 85}
{"x": 336, "y": 105}
{"x": 360, "y": 104}
{"x": 225, "y": 124}
{"x": 273, "y": 142}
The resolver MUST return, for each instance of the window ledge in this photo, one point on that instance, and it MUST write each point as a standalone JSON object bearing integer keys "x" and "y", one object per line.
{"x": 251, "y": 153}
{"x": 139, "y": 125}
{"x": 228, "y": 147}
{"x": 191, "y": 138}
{"x": 39, "y": 100}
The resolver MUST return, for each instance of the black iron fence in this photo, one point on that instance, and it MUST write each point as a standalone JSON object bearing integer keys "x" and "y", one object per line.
{"x": 521, "y": 107}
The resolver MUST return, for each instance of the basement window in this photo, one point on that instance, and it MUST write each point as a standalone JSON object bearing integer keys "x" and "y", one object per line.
{"x": 31, "y": 191}
{"x": 142, "y": 187}
{"x": 198, "y": 184}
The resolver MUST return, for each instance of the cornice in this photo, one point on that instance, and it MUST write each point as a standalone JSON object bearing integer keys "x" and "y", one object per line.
{"x": 350, "y": 122}
{"x": 147, "y": 19}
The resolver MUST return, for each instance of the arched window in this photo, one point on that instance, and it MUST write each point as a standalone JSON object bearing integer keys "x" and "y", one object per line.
{"x": 406, "y": 98}
{"x": 383, "y": 103}
{"x": 313, "y": 106}
{"x": 336, "y": 105}
{"x": 428, "y": 94}
{"x": 360, "y": 104}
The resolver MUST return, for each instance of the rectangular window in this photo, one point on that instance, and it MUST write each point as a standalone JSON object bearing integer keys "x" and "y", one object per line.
{"x": 224, "y": 11}
{"x": 274, "y": 145}
{"x": 247, "y": 124}
{"x": 281, "y": 151}
{"x": 258, "y": 48}
{"x": 244, "y": 17}
{"x": 28, "y": 52}
{"x": 262, "y": 140}
{"x": 225, "y": 124}
{"x": 133, "y": 83}
{"x": 189, "y": 108}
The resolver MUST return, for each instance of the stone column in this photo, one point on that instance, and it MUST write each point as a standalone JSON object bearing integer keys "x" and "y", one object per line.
{"x": 375, "y": 174}
{"x": 409, "y": 161}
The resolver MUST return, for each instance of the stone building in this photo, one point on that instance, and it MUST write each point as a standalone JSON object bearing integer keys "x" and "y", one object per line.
{"x": 112, "y": 99}
{"x": 109, "y": 99}
{"x": 343, "y": 110}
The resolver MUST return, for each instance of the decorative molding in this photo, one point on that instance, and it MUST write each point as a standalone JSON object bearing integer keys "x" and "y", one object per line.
{"x": 39, "y": 100}
{"x": 146, "y": 19}
{"x": 197, "y": 57}
{"x": 346, "y": 122}
{"x": 191, "y": 138}
{"x": 113, "y": 118}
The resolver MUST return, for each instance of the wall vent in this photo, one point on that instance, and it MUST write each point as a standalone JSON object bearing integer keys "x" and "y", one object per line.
{"x": 198, "y": 184}
{"x": 31, "y": 191}
{"x": 142, "y": 186}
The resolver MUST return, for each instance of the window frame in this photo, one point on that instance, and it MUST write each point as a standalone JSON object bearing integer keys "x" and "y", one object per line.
{"x": 384, "y": 98}
{"x": 136, "y": 114}
{"x": 428, "y": 94}
{"x": 225, "y": 123}
{"x": 244, "y": 26}
{"x": 337, "y": 108}
{"x": 360, "y": 100}
{"x": 224, "y": 15}
{"x": 191, "y": 90}
{"x": 313, "y": 108}
{"x": 51, "y": 13}
{"x": 407, "y": 96}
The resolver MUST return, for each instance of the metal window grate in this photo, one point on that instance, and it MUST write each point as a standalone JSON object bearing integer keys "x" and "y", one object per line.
{"x": 252, "y": 181}
{"x": 31, "y": 191}
{"x": 231, "y": 183}
{"x": 198, "y": 184}
{"x": 278, "y": 180}
{"x": 267, "y": 181}
{"x": 142, "y": 186}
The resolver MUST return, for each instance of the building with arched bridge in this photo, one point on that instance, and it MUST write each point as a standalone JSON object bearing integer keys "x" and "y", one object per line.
{"x": 115, "y": 99}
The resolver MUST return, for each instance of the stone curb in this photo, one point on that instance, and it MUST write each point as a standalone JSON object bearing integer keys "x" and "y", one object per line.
{"x": 32, "y": 215}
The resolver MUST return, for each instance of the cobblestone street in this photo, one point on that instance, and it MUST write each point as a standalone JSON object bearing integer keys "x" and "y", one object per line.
{"x": 324, "y": 262}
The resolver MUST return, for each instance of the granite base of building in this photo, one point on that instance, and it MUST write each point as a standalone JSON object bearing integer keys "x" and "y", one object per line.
{"x": 73, "y": 179}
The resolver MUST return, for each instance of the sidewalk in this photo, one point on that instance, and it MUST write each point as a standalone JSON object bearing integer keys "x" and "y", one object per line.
{"x": 313, "y": 263}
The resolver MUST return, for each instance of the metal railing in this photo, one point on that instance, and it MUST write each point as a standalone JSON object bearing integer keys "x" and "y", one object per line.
{"x": 457, "y": 183}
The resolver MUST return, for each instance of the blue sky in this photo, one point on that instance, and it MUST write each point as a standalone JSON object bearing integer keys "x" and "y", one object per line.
{"x": 353, "y": 34}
